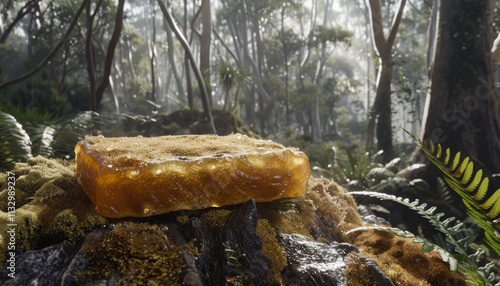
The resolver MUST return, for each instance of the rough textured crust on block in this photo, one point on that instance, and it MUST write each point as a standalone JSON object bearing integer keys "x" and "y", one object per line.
{"x": 140, "y": 177}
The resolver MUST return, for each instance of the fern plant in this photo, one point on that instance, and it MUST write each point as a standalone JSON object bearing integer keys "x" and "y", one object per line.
{"x": 460, "y": 260}
{"x": 15, "y": 144}
{"x": 482, "y": 205}
{"x": 468, "y": 181}
{"x": 49, "y": 140}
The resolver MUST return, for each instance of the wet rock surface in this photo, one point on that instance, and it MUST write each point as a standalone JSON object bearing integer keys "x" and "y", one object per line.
{"x": 311, "y": 262}
{"x": 300, "y": 241}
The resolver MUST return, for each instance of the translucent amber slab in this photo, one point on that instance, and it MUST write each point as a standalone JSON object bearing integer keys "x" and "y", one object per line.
{"x": 140, "y": 177}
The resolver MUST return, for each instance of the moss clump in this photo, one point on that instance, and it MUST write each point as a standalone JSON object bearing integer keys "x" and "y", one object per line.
{"x": 356, "y": 270}
{"x": 50, "y": 205}
{"x": 404, "y": 262}
{"x": 182, "y": 219}
{"x": 66, "y": 224}
{"x": 334, "y": 206}
{"x": 216, "y": 218}
{"x": 271, "y": 248}
{"x": 288, "y": 215}
{"x": 133, "y": 254}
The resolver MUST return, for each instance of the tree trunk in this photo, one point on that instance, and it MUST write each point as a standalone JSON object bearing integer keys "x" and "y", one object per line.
{"x": 152, "y": 52}
{"x": 461, "y": 111}
{"x": 189, "y": 85}
{"x": 171, "y": 60}
{"x": 380, "y": 114}
{"x": 196, "y": 70}
{"x": 205, "y": 44}
{"x": 110, "y": 54}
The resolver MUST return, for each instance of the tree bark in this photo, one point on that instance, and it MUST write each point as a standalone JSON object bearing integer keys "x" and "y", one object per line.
{"x": 380, "y": 114}
{"x": 110, "y": 55}
{"x": 152, "y": 53}
{"x": 89, "y": 53}
{"x": 196, "y": 70}
{"x": 171, "y": 60}
{"x": 205, "y": 45}
{"x": 461, "y": 111}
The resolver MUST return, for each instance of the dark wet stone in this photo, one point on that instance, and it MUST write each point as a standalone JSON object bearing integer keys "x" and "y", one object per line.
{"x": 311, "y": 262}
{"x": 190, "y": 274}
{"x": 40, "y": 267}
{"x": 377, "y": 276}
{"x": 209, "y": 260}
{"x": 245, "y": 261}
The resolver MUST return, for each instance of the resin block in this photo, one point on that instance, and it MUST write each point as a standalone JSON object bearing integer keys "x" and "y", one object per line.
{"x": 140, "y": 177}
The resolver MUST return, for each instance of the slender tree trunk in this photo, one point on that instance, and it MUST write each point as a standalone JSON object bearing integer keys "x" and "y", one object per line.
{"x": 171, "y": 60}
{"x": 189, "y": 86}
{"x": 380, "y": 114}
{"x": 89, "y": 50}
{"x": 110, "y": 54}
{"x": 285, "y": 55}
{"x": 152, "y": 52}
{"x": 196, "y": 70}
{"x": 461, "y": 110}
{"x": 4, "y": 34}
{"x": 205, "y": 45}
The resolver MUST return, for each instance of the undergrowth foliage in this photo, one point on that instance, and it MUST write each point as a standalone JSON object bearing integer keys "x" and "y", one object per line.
{"x": 468, "y": 181}
{"x": 460, "y": 260}
{"x": 482, "y": 205}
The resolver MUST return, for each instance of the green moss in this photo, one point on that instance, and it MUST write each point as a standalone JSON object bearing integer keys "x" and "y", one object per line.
{"x": 334, "y": 206}
{"x": 271, "y": 248}
{"x": 66, "y": 224}
{"x": 182, "y": 219}
{"x": 134, "y": 254}
{"x": 404, "y": 262}
{"x": 216, "y": 218}
{"x": 356, "y": 271}
{"x": 50, "y": 205}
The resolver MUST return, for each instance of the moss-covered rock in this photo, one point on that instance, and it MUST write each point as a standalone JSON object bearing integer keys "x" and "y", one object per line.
{"x": 132, "y": 254}
{"x": 50, "y": 205}
{"x": 231, "y": 244}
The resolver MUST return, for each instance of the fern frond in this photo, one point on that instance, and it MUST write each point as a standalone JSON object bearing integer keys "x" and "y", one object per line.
{"x": 15, "y": 143}
{"x": 467, "y": 264}
{"x": 468, "y": 181}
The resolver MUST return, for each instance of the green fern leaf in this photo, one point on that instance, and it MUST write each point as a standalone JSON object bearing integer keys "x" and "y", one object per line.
{"x": 483, "y": 204}
{"x": 15, "y": 143}
{"x": 483, "y": 188}
{"x": 460, "y": 260}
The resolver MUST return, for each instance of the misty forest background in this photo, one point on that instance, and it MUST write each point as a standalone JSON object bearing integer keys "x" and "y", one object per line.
{"x": 340, "y": 79}
{"x": 322, "y": 75}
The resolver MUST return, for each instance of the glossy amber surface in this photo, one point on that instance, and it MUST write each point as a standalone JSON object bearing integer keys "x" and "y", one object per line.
{"x": 140, "y": 177}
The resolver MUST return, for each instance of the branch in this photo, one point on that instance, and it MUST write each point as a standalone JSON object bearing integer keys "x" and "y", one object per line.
{"x": 395, "y": 26}
{"x": 379, "y": 42}
{"x": 225, "y": 46}
{"x": 51, "y": 53}
{"x": 20, "y": 15}
{"x": 195, "y": 17}
{"x": 196, "y": 70}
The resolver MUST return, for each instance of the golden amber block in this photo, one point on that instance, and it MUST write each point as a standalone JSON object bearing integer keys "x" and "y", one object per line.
{"x": 140, "y": 177}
